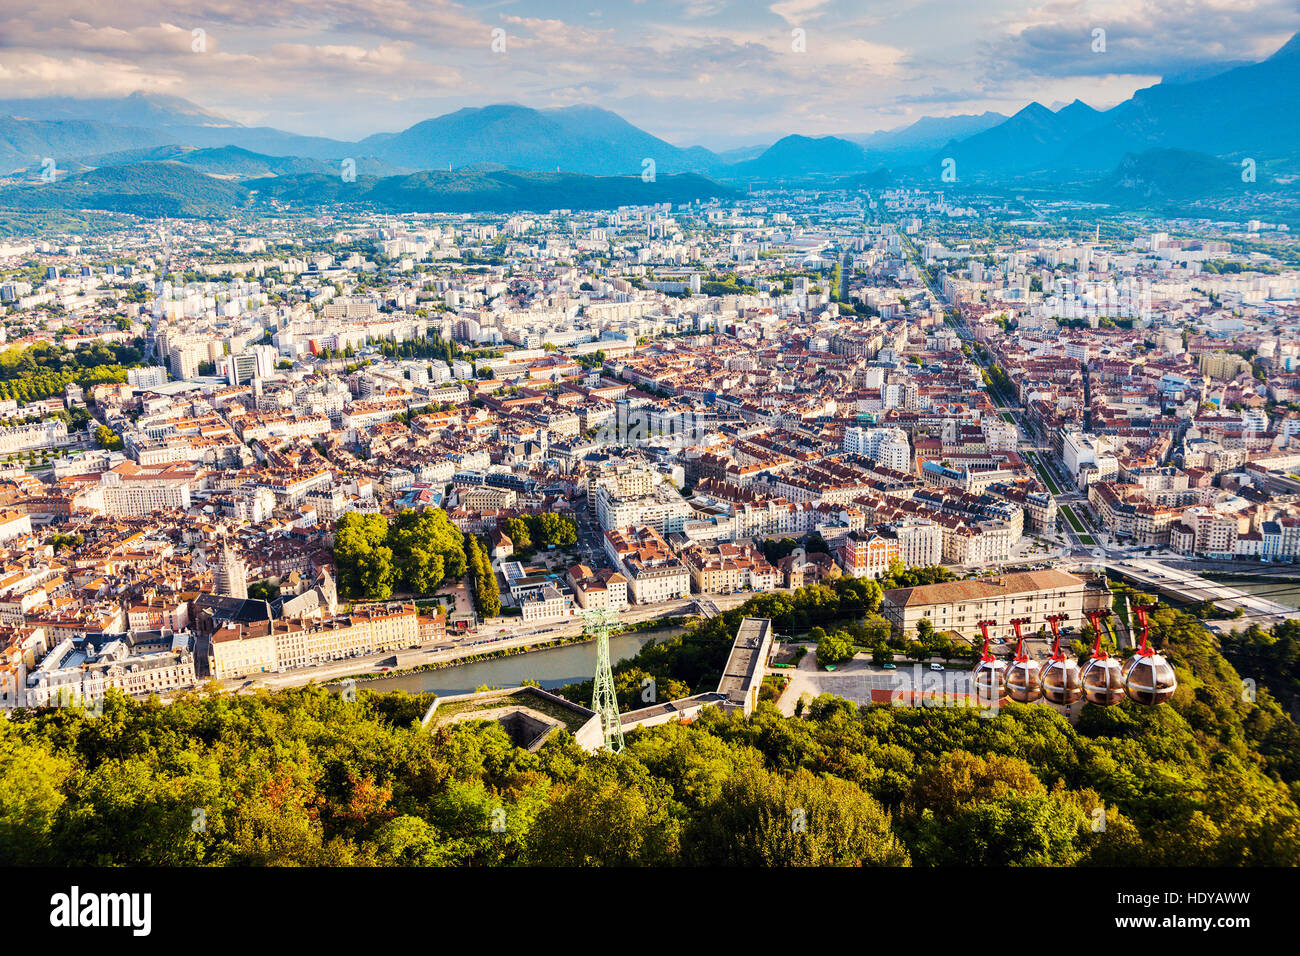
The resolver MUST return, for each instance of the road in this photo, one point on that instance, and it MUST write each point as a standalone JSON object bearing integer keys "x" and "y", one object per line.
{"x": 1160, "y": 577}
{"x": 1073, "y": 523}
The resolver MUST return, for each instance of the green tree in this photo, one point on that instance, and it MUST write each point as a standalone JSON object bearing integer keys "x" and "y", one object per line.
{"x": 553, "y": 529}
{"x": 834, "y": 648}
{"x": 428, "y": 549}
{"x": 105, "y": 437}
{"x": 607, "y": 819}
{"x": 32, "y": 780}
{"x": 764, "y": 819}
{"x": 363, "y": 560}
{"x": 487, "y": 592}
{"x": 516, "y": 529}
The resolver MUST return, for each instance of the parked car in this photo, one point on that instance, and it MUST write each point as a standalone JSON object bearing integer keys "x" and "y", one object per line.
{"x": 936, "y": 667}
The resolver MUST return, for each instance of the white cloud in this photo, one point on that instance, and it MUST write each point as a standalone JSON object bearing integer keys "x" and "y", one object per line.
{"x": 691, "y": 70}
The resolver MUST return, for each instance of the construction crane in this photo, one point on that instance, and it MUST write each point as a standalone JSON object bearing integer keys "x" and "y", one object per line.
{"x": 603, "y": 699}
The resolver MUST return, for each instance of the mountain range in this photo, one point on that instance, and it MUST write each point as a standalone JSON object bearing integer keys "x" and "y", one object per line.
{"x": 174, "y": 189}
{"x": 496, "y": 154}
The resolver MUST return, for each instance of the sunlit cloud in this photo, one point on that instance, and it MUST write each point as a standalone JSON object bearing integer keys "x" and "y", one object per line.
{"x": 717, "y": 72}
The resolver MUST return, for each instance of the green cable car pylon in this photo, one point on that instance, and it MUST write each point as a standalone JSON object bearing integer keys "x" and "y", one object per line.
{"x": 603, "y": 700}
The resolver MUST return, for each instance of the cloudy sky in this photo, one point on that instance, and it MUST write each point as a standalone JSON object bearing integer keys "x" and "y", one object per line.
{"x": 714, "y": 72}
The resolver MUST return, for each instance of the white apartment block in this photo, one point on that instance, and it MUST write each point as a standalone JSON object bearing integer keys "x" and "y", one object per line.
{"x": 544, "y": 604}
{"x": 152, "y": 376}
{"x": 889, "y": 446}
{"x": 920, "y": 542}
{"x": 14, "y": 524}
{"x": 127, "y": 494}
{"x": 1087, "y": 458}
{"x": 662, "y": 509}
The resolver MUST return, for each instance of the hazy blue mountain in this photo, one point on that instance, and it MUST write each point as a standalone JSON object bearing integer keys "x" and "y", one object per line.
{"x": 24, "y": 139}
{"x": 26, "y": 142}
{"x": 914, "y": 143}
{"x": 1244, "y": 111}
{"x": 1030, "y": 141}
{"x": 234, "y": 161}
{"x": 1247, "y": 111}
{"x": 582, "y": 139}
{"x": 1202, "y": 71}
{"x": 147, "y": 110}
{"x": 1157, "y": 175}
{"x": 876, "y": 179}
{"x": 742, "y": 153}
{"x": 793, "y": 157}
{"x": 266, "y": 140}
{"x": 180, "y": 190}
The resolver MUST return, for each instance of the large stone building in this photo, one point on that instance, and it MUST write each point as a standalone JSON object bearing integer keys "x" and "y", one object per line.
{"x": 960, "y": 605}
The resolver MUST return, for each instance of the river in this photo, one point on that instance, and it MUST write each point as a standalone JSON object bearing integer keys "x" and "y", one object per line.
{"x": 551, "y": 668}
{"x": 1278, "y": 589}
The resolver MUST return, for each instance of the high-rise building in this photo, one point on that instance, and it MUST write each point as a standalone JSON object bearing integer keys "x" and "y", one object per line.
{"x": 889, "y": 446}
{"x": 151, "y": 376}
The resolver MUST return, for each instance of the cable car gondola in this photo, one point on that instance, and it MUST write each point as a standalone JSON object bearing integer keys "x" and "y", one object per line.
{"x": 988, "y": 677}
{"x": 1103, "y": 684}
{"x": 1024, "y": 676}
{"x": 1061, "y": 681}
{"x": 1147, "y": 676}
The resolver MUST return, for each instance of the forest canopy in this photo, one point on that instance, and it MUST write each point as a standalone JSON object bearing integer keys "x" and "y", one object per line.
{"x": 42, "y": 370}
{"x": 307, "y": 777}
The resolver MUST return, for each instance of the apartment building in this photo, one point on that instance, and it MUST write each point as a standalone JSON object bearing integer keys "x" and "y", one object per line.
{"x": 653, "y": 572}
{"x": 920, "y": 541}
{"x": 1128, "y": 510}
{"x": 14, "y": 524}
{"x": 889, "y": 446}
{"x": 33, "y": 435}
{"x": 603, "y": 590}
{"x": 726, "y": 568}
{"x": 239, "y": 649}
{"x": 544, "y": 604}
{"x": 662, "y": 508}
{"x": 867, "y": 554}
{"x": 131, "y": 489}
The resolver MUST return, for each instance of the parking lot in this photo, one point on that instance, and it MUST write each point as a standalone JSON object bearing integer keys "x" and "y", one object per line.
{"x": 855, "y": 680}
